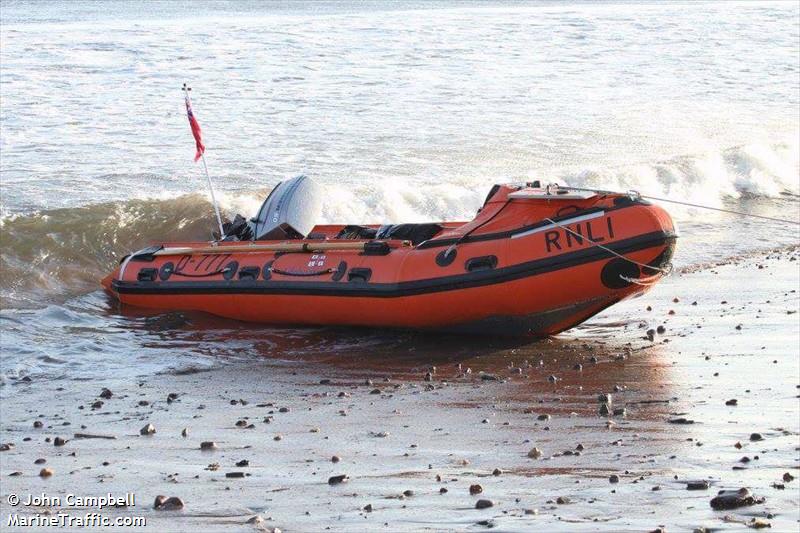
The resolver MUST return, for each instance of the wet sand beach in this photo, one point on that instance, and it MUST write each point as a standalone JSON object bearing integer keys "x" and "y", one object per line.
{"x": 403, "y": 111}
{"x": 598, "y": 429}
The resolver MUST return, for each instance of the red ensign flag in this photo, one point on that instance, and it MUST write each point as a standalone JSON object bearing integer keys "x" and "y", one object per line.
{"x": 198, "y": 137}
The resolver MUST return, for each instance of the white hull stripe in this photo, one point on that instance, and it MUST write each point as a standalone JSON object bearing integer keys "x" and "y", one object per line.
{"x": 560, "y": 223}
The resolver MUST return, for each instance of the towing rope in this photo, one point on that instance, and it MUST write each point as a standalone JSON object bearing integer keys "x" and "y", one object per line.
{"x": 699, "y": 206}
{"x": 650, "y": 280}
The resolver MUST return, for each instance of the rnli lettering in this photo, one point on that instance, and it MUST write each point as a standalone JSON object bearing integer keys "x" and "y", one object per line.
{"x": 591, "y": 231}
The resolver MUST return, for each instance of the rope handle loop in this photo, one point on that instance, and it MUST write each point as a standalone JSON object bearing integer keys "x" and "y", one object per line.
{"x": 302, "y": 274}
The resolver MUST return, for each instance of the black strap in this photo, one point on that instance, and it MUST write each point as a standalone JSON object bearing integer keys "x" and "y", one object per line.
{"x": 185, "y": 275}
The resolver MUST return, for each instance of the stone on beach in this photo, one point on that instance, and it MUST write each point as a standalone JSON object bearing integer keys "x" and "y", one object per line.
{"x": 335, "y": 480}
{"x": 46, "y": 472}
{"x": 173, "y": 503}
{"x": 484, "y": 504}
{"x": 535, "y": 453}
{"x": 208, "y": 445}
{"x": 732, "y": 499}
{"x": 698, "y": 485}
{"x": 149, "y": 429}
{"x": 475, "y": 489}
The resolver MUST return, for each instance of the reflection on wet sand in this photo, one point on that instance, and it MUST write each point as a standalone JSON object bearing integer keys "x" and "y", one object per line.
{"x": 606, "y": 428}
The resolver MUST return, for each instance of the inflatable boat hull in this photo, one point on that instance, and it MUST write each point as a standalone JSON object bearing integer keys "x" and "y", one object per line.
{"x": 519, "y": 268}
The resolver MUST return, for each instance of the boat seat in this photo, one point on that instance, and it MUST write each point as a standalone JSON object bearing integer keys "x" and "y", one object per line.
{"x": 356, "y": 232}
{"x": 416, "y": 233}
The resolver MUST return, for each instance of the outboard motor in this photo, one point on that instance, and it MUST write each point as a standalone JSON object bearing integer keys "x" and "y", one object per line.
{"x": 290, "y": 211}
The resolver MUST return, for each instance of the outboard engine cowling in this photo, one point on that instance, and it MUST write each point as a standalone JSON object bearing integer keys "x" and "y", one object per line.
{"x": 290, "y": 211}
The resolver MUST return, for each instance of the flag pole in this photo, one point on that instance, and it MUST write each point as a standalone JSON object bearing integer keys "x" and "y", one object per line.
{"x": 201, "y": 152}
{"x": 213, "y": 198}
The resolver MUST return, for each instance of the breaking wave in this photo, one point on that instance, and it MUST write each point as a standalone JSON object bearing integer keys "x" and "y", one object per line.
{"x": 54, "y": 254}
{"x": 709, "y": 178}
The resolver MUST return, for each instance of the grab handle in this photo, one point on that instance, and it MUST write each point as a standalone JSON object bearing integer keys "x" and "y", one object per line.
{"x": 486, "y": 262}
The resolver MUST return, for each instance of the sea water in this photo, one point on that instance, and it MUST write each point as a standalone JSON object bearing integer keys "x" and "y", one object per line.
{"x": 402, "y": 111}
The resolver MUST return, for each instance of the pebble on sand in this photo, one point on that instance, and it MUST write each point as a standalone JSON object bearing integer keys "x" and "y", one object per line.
{"x": 335, "y": 480}
{"x": 58, "y": 441}
{"x": 731, "y": 499}
{"x": 162, "y": 503}
{"x": 45, "y": 472}
{"x": 535, "y": 453}
{"x": 698, "y": 485}
{"x": 475, "y": 489}
{"x": 149, "y": 429}
{"x": 756, "y": 437}
{"x": 613, "y": 478}
{"x": 484, "y": 504}
{"x": 106, "y": 394}
{"x": 208, "y": 445}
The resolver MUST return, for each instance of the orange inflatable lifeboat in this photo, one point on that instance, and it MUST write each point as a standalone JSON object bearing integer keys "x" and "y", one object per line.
{"x": 534, "y": 261}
